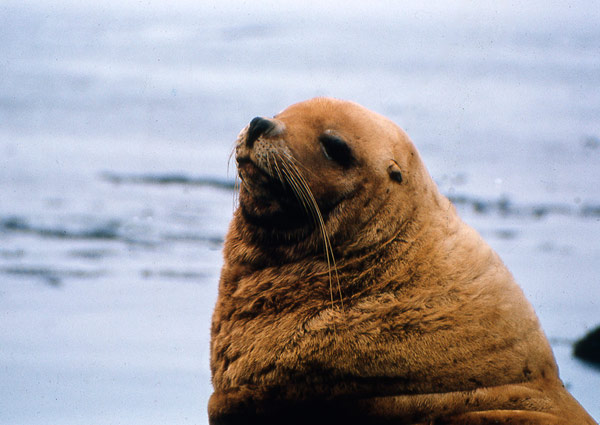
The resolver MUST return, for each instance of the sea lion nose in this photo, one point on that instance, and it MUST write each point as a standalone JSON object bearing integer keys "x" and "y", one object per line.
{"x": 258, "y": 126}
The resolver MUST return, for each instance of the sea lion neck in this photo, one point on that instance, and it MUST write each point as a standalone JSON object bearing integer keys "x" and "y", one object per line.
{"x": 349, "y": 238}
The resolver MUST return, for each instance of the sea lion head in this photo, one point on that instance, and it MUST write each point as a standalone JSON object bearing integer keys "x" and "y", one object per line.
{"x": 332, "y": 166}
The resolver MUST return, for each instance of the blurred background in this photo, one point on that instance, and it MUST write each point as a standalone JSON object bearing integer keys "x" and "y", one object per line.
{"x": 116, "y": 124}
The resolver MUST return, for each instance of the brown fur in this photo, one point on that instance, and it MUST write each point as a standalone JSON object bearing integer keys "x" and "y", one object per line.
{"x": 422, "y": 323}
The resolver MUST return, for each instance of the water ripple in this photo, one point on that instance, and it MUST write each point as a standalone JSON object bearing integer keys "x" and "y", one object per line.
{"x": 168, "y": 179}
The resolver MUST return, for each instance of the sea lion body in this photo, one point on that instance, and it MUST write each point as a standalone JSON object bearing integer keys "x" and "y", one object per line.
{"x": 380, "y": 305}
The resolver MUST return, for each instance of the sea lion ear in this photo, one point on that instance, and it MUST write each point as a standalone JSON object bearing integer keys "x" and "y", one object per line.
{"x": 394, "y": 171}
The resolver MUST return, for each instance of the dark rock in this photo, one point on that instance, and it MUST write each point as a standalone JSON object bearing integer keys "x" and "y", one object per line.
{"x": 588, "y": 347}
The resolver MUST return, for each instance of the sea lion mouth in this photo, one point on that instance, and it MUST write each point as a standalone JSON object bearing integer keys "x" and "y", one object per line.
{"x": 269, "y": 188}
{"x": 248, "y": 168}
{"x": 255, "y": 178}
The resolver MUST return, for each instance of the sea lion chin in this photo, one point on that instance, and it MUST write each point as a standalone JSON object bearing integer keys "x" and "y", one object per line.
{"x": 352, "y": 292}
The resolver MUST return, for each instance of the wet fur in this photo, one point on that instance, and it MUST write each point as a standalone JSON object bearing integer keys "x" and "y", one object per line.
{"x": 357, "y": 296}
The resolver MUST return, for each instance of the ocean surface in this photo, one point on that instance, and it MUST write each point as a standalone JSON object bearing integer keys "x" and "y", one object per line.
{"x": 117, "y": 120}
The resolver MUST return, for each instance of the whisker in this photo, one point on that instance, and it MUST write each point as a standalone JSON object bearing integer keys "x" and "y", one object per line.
{"x": 236, "y": 183}
{"x": 300, "y": 195}
{"x": 300, "y": 181}
{"x": 299, "y": 190}
{"x": 270, "y": 169}
{"x": 278, "y": 171}
{"x": 297, "y": 163}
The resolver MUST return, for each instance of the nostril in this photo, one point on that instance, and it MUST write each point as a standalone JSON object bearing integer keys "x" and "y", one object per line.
{"x": 257, "y": 127}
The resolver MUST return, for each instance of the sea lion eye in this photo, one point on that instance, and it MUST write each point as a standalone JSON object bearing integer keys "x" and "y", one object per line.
{"x": 336, "y": 149}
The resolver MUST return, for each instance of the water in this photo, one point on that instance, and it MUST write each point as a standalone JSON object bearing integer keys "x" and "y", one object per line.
{"x": 116, "y": 123}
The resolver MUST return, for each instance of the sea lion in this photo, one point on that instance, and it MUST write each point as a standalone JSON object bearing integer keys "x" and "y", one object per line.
{"x": 351, "y": 291}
